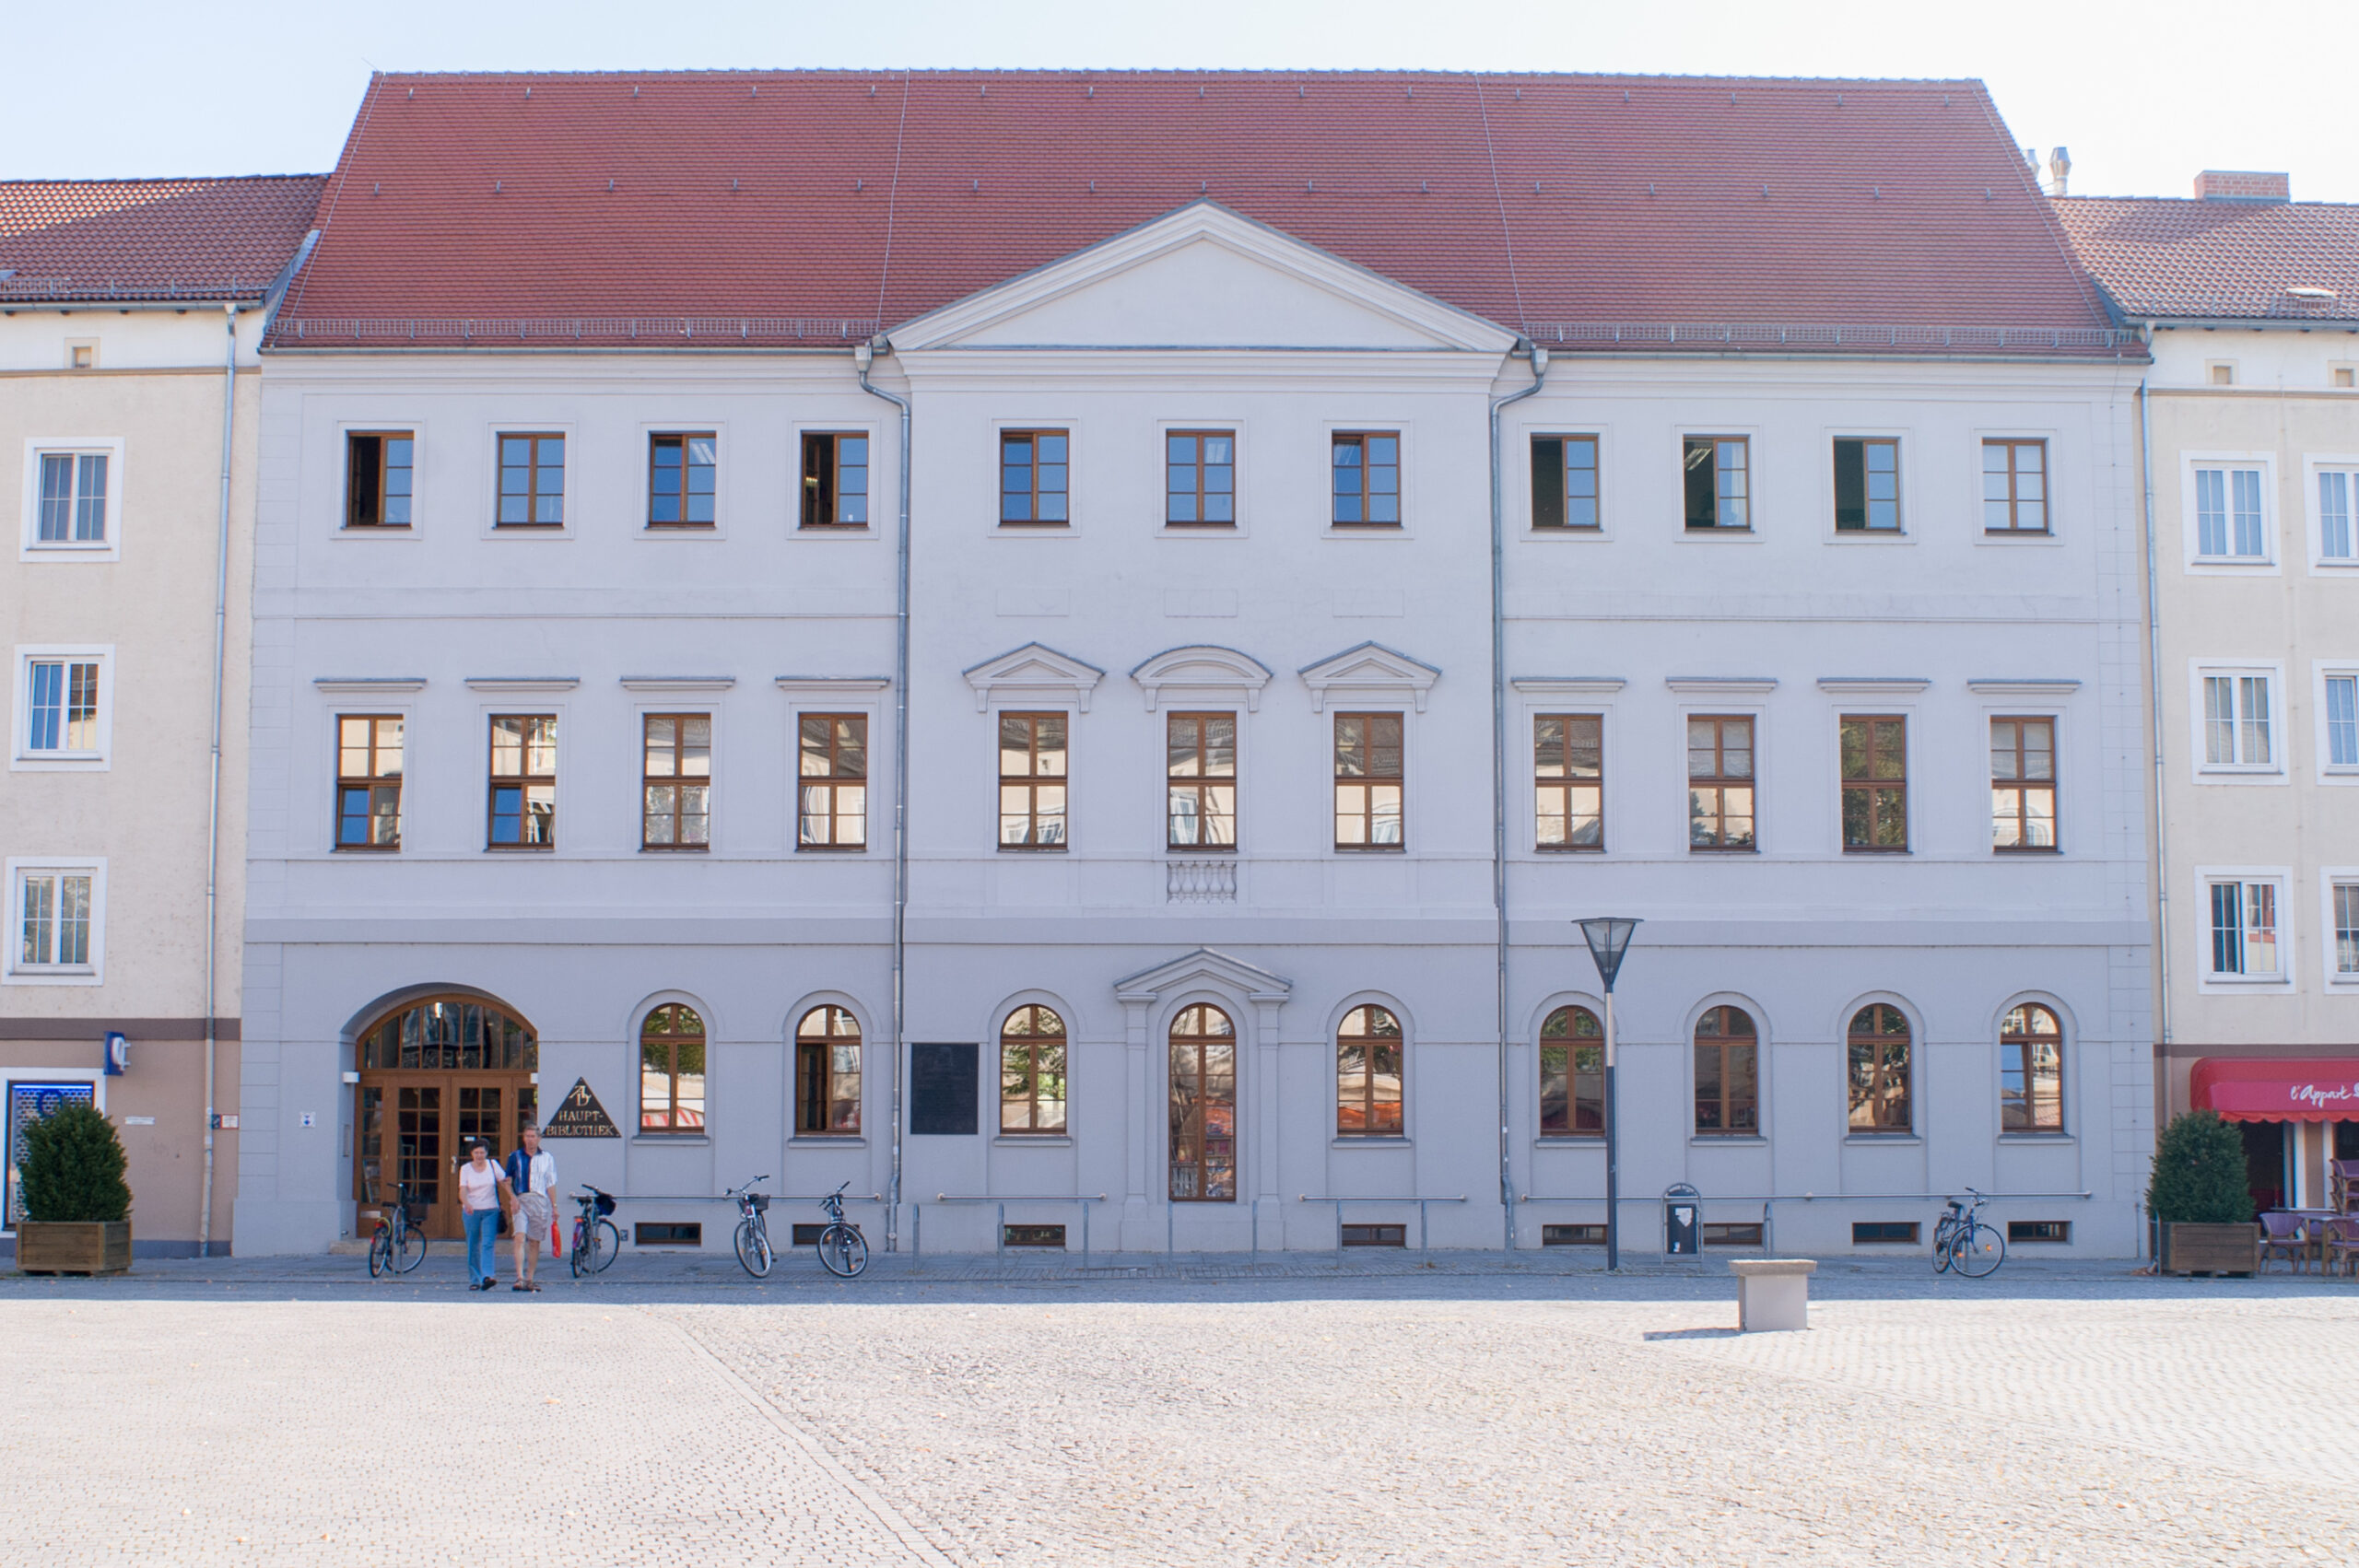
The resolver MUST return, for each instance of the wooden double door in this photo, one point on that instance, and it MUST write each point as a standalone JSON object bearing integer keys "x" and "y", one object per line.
{"x": 415, "y": 1128}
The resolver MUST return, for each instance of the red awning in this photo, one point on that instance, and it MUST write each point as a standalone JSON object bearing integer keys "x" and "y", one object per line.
{"x": 2277, "y": 1088}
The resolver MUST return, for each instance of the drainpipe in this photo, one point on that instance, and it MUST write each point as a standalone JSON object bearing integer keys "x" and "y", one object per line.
{"x": 2154, "y": 698}
{"x": 1499, "y": 765}
{"x": 863, "y": 358}
{"x": 213, "y": 788}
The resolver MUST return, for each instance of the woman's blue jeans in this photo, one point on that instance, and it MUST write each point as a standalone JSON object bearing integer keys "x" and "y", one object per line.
{"x": 483, "y": 1240}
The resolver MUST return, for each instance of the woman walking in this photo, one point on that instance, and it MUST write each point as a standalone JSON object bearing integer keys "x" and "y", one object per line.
{"x": 479, "y": 1198}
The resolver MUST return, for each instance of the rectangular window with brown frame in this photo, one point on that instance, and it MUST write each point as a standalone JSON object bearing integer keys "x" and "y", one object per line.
{"x": 368, "y": 781}
{"x": 1200, "y": 760}
{"x": 677, "y": 782}
{"x": 531, "y": 481}
{"x": 1200, "y": 478}
{"x": 2023, "y": 785}
{"x": 681, "y": 480}
{"x": 1720, "y": 811}
{"x": 1875, "y": 784}
{"x": 1568, "y": 765}
{"x": 523, "y": 781}
{"x": 378, "y": 474}
{"x": 1718, "y": 482}
{"x": 834, "y": 781}
{"x": 1032, "y": 780}
{"x": 1367, "y": 488}
{"x": 1866, "y": 485}
{"x": 1563, "y": 482}
{"x": 1035, "y": 478}
{"x": 1369, "y": 782}
{"x": 2014, "y": 487}
{"x": 835, "y": 479}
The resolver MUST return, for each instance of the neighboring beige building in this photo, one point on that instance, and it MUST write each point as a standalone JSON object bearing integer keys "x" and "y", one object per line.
{"x": 2252, "y": 303}
{"x": 120, "y": 304}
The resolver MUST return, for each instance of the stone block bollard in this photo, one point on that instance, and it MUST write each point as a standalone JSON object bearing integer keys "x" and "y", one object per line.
{"x": 1772, "y": 1292}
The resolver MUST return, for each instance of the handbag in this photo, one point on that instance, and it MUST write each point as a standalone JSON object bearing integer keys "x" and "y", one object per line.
{"x": 556, "y": 1247}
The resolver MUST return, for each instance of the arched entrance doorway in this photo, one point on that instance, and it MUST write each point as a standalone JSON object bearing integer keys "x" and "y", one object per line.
{"x": 435, "y": 1074}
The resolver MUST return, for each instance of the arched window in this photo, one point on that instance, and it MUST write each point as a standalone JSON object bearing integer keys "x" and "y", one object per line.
{"x": 1727, "y": 1073}
{"x": 1367, "y": 1074}
{"x": 1032, "y": 1072}
{"x": 1572, "y": 1075}
{"x": 671, "y": 1070}
{"x": 1879, "y": 1071}
{"x": 461, "y": 1034}
{"x": 826, "y": 1073}
{"x": 2031, "y": 1070}
{"x": 1203, "y": 1106}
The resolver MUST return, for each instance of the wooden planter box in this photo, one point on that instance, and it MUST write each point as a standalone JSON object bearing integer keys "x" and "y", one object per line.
{"x": 55, "y": 1248}
{"x": 2210, "y": 1249}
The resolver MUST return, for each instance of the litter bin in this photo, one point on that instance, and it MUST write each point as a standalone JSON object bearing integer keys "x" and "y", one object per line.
{"x": 1683, "y": 1221}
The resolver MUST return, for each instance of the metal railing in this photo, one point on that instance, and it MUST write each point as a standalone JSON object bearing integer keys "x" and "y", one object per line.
{"x": 1768, "y": 1201}
{"x": 1339, "y": 1202}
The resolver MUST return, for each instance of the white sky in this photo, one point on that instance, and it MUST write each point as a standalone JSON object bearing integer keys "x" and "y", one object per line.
{"x": 2145, "y": 93}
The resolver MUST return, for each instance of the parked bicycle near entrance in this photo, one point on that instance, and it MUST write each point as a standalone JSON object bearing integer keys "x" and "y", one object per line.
{"x": 595, "y": 1239}
{"x": 399, "y": 1244}
{"x": 843, "y": 1251}
{"x": 753, "y": 1227}
{"x": 1963, "y": 1240}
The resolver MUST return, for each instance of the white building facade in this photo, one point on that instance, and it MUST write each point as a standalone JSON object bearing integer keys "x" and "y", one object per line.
{"x": 578, "y": 679}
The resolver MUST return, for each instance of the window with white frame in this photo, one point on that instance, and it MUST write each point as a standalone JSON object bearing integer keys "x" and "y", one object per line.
{"x": 2245, "y": 936}
{"x": 54, "y": 912}
{"x": 2337, "y": 540}
{"x": 2341, "y": 713}
{"x": 2229, "y": 524}
{"x": 70, "y": 496}
{"x": 62, "y": 698}
{"x": 2342, "y": 897}
{"x": 2237, "y": 733}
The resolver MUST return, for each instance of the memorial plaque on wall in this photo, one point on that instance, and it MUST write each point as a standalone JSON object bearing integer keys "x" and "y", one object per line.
{"x": 943, "y": 1088}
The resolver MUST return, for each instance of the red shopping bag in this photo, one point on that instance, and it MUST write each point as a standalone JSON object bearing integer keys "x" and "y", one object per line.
{"x": 557, "y": 1248}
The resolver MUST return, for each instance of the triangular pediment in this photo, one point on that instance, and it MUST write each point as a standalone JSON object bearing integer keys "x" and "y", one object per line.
{"x": 1206, "y": 966}
{"x": 1202, "y": 278}
{"x": 1370, "y": 671}
{"x": 1034, "y": 673}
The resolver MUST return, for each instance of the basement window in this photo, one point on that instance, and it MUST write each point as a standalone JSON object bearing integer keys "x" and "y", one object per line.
{"x": 668, "y": 1233}
{"x": 1051, "y": 1236}
{"x": 2039, "y": 1230}
{"x": 1376, "y": 1236}
{"x": 1572, "y": 1235}
{"x": 1883, "y": 1233}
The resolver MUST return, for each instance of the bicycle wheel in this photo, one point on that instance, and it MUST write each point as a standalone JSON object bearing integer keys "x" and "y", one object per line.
{"x": 605, "y": 1245}
{"x": 1944, "y": 1234}
{"x": 1980, "y": 1251}
{"x": 381, "y": 1252}
{"x": 410, "y": 1249}
{"x": 577, "y": 1255}
{"x": 843, "y": 1251}
{"x": 753, "y": 1248}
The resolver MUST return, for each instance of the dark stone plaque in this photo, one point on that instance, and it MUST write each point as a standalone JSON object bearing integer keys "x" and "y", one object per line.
{"x": 580, "y": 1114}
{"x": 943, "y": 1089}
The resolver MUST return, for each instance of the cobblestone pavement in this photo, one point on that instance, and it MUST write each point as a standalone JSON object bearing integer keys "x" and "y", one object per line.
{"x": 1046, "y": 1417}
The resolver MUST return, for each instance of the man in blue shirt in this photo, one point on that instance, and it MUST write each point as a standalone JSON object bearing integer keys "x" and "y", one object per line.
{"x": 530, "y": 1177}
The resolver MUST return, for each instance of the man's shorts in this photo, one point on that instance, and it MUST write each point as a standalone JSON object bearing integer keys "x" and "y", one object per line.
{"x": 533, "y": 1212}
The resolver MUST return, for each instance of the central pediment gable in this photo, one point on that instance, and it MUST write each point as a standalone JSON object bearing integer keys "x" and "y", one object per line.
{"x": 1202, "y": 278}
{"x": 1206, "y": 966}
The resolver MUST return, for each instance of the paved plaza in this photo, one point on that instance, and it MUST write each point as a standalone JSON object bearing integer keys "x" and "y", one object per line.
{"x": 1315, "y": 1413}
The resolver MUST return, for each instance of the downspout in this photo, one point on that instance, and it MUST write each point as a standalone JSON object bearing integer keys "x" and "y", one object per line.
{"x": 2154, "y": 698}
{"x": 861, "y": 358}
{"x": 1499, "y": 767}
{"x": 213, "y": 788}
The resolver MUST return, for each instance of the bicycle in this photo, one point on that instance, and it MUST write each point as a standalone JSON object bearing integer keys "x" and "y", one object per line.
{"x": 1961, "y": 1238}
{"x": 399, "y": 1244}
{"x": 595, "y": 1239}
{"x": 753, "y": 1227}
{"x": 843, "y": 1251}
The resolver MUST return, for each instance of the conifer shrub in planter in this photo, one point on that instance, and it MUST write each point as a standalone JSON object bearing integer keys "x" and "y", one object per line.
{"x": 2201, "y": 1198}
{"x": 77, "y": 1207}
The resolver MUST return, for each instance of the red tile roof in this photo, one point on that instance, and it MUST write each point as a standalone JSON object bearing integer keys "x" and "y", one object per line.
{"x": 731, "y": 208}
{"x": 2176, "y": 259}
{"x": 151, "y": 239}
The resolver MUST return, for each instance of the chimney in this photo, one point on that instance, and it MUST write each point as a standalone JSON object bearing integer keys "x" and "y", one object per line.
{"x": 2242, "y": 185}
{"x": 2060, "y": 169}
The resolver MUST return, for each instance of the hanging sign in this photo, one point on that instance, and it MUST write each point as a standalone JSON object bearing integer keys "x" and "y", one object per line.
{"x": 580, "y": 1114}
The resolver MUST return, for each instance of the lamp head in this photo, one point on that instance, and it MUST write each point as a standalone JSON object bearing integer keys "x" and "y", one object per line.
{"x": 1609, "y": 939}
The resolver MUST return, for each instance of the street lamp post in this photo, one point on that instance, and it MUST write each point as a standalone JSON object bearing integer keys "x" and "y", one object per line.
{"x": 1609, "y": 939}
